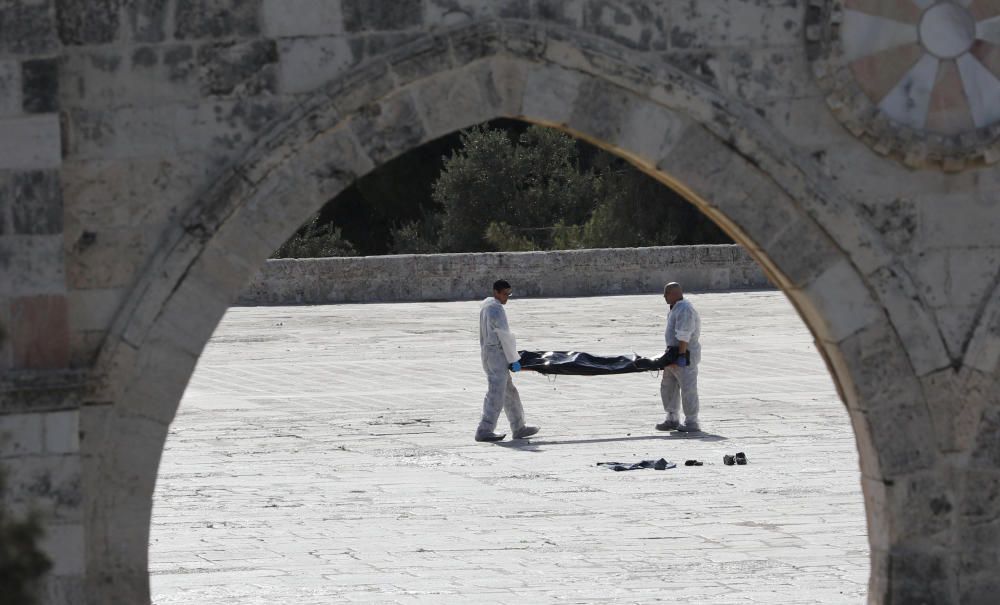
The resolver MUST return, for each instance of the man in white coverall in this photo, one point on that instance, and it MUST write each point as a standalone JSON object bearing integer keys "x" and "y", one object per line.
{"x": 680, "y": 379}
{"x": 500, "y": 358}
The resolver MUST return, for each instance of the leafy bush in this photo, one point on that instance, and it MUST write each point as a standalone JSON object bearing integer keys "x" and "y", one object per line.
{"x": 417, "y": 237}
{"x": 502, "y": 236}
{"x": 315, "y": 241}
{"x": 22, "y": 563}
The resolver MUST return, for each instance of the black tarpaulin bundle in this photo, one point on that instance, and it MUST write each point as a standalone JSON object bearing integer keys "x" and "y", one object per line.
{"x": 584, "y": 364}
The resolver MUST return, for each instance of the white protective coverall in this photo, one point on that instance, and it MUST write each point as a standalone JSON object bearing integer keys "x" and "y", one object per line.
{"x": 499, "y": 349}
{"x": 680, "y": 383}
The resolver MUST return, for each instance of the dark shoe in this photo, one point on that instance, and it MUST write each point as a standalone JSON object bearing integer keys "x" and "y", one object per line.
{"x": 741, "y": 458}
{"x": 693, "y": 463}
{"x": 689, "y": 427}
{"x": 729, "y": 460}
{"x": 668, "y": 425}
{"x": 490, "y": 437}
{"x": 660, "y": 465}
{"x": 525, "y": 431}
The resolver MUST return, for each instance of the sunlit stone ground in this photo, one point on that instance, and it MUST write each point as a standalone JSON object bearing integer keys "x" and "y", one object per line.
{"x": 325, "y": 454}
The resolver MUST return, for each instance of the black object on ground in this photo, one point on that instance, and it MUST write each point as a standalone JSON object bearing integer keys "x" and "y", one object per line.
{"x": 693, "y": 463}
{"x": 661, "y": 465}
{"x": 584, "y": 364}
{"x": 490, "y": 437}
{"x": 739, "y": 458}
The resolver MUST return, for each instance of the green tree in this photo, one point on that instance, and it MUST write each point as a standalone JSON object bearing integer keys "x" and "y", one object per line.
{"x": 22, "y": 563}
{"x": 314, "y": 240}
{"x": 502, "y": 186}
{"x": 637, "y": 210}
{"x": 477, "y": 186}
{"x": 555, "y": 187}
{"x": 417, "y": 237}
{"x": 502, "y": 236}
{"x": 537, "y": 193}
{"x": 524, "y": 188}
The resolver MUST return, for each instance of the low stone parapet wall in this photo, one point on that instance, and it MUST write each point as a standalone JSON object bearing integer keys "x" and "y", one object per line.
{"x": 431, "y": 277}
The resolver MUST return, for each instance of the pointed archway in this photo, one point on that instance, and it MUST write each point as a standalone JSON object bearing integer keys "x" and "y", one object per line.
{"x": 720, "y": 155}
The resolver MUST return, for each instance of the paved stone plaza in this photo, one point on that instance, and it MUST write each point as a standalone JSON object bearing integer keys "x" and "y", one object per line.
{"x": 325, "y": 454}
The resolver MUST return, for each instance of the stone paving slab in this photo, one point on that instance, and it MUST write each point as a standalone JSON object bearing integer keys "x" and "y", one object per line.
{"x": 324, "y": 454}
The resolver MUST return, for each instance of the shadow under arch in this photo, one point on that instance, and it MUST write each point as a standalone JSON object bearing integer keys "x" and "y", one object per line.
{"x": 720, "y": 155}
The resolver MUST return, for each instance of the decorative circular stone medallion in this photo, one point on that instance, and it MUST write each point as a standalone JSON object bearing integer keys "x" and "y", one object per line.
{"x": 915, "y": 79}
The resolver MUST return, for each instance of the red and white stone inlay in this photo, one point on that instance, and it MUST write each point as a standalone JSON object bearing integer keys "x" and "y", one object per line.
{"x": 930, "y": 65}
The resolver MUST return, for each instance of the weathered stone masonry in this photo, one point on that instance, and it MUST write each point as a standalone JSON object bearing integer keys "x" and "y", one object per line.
{"x": 554, "y": 274}
{"x": 154, "y": 152}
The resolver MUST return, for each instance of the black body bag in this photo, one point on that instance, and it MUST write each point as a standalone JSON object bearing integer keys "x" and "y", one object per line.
{"x": 584, "y": 364}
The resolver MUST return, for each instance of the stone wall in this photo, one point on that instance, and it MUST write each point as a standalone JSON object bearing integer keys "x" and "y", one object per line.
{"x": 469, "y": 276}
{"x": 39, "y": 445}
{"x": 154, "y": 153}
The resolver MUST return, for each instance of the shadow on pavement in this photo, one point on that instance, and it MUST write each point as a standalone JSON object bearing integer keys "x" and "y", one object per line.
{"x": 529, "y": 444}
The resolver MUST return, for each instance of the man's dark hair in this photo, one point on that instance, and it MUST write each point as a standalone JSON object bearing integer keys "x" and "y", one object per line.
{"x": 500, "y": 284}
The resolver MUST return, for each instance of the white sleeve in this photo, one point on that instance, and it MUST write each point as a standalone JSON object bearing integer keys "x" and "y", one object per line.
{"x": 684, "y": 324}
{"x": 507, "y": 340}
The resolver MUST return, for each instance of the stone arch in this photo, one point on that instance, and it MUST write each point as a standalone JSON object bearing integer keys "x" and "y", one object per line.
{"x": 976, "y": 430}
{"x": 813, "y": 244}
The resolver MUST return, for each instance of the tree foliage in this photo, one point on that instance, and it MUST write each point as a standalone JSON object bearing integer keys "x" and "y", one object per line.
{"x": 503, "y": 189}
{"x": 524, "y": 187}
{"x": 417, "y": 237}
{"x": 22, "y": 563}
{"x": 314, "y": 240}
{"x": 538, "y": 193}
